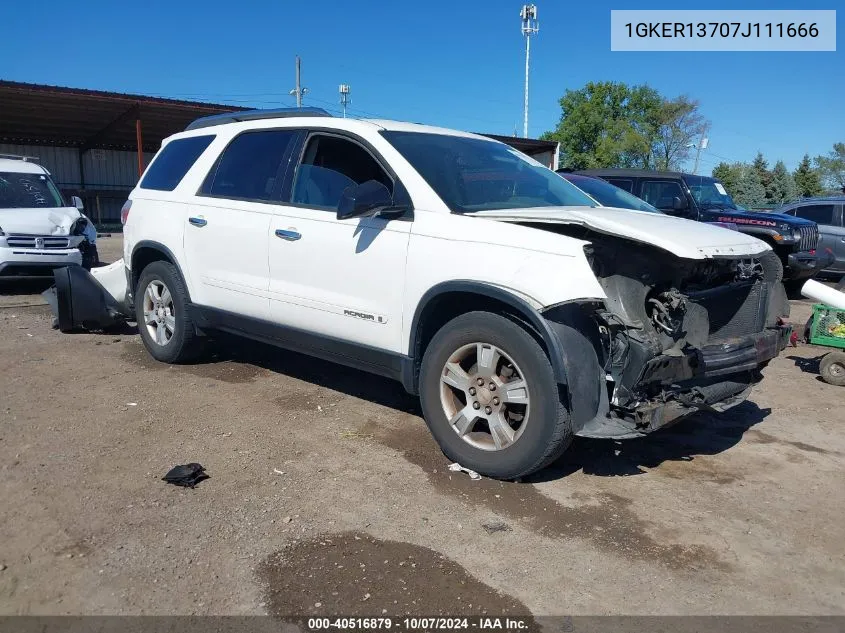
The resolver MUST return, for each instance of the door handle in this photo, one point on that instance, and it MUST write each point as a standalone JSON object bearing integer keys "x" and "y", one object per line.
{"x": 197, "y": 221}
{"x": 290, "y": 236}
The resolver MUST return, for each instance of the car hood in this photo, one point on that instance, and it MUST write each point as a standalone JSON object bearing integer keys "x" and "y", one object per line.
{"x": 684, "y": 238}
{"x": 39, "y": 221}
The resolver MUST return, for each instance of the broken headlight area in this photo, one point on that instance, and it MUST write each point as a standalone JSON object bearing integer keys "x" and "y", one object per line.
{"x": 84, "y": 229}
{"x": 674, "y": 335}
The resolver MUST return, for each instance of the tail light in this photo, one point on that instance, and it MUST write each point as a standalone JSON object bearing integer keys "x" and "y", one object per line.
{"x": 124, "y": 212}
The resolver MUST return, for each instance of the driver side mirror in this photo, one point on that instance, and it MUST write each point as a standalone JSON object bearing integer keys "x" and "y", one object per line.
{"x": 679, "y": 204}
{"x": 364, "y": 200}
{"x": 77, "y": 202}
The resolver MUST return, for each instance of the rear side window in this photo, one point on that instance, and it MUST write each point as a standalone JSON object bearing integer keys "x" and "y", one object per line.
{"x": 173, "y": 162}
{"x": 818, "y": 213}
{"x": 622, "y": 183}
{"x": 250, "y": 167}
{"x": 661, "y": 193}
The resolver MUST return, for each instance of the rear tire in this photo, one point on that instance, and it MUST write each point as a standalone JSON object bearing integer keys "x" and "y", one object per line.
{"x": 166, "y": 328}
{"x": 832, "y": 368}
{"x": 521, "y": 425}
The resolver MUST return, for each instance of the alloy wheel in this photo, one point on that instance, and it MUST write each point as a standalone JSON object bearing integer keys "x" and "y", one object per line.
{"x": 485, "y": 396}
{"x": 159, "y": 313}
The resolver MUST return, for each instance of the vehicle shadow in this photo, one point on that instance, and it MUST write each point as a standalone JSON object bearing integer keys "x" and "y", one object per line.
{"x": 18, "y": 287}
{"x": 700, "y": 434}
{"x": 376, "y": 389}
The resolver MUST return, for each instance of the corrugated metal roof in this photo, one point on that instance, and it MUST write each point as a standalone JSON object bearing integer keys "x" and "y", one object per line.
{"x": 36, "y": 114}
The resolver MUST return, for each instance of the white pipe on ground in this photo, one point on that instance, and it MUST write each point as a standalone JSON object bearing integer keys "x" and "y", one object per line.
{"x": 823, "y": 294}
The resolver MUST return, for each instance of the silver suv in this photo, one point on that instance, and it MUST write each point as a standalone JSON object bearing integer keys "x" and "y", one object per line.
{"x": 829, "y": 214}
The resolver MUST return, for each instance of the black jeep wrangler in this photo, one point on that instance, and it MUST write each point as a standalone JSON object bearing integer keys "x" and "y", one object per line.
{"x": 702, "y": 198}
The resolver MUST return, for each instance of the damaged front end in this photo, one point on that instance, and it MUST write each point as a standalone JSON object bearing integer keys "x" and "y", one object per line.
{"x": 674, "y": 335}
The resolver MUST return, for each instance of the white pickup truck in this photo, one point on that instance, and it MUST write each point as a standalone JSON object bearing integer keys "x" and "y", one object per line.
{"x": 521, "y": 311}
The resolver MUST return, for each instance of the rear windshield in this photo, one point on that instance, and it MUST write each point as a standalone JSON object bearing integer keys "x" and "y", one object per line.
{"x": 28, "y": 191}
{"x": 173, "y": 161}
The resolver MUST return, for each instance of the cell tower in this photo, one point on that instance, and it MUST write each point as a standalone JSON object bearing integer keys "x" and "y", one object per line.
{"x": 530, "y": 26}
{"x": 299, "y": 91}
{"x": 344, "y": 91}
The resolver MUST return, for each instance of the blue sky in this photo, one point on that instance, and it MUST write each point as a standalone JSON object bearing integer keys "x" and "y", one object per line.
{"x": 451, "y": 63}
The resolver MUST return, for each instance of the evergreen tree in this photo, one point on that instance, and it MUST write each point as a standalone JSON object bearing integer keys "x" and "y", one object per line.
{"x": 807, "y": 179}
{"x": 729, "y": 175}
{"x": 749, "y": 188}
{"x": 832, "y": 168}
{"x": 761, "y": 166}
{"x": 783, "y": 188}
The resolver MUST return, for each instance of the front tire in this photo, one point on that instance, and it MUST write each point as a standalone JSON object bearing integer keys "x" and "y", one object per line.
{"x": 165, "y": 326}
{"x": 490, "y": 398}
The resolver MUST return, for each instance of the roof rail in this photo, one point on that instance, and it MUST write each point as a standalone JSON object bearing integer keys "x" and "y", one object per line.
{"x": 18, "y": 157}
{"x": 837, "y": 197}
{"x": 254, "y": 115}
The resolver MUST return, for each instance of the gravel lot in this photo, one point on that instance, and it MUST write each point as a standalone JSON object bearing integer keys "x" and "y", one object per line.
{"x": 327, "y": 495}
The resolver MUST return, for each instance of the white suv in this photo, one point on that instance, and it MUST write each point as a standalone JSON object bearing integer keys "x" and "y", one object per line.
{"x": 521, "y": 311}
{"x": 39, "y": 231}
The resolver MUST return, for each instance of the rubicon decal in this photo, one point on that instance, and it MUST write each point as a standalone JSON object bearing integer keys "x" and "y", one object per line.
{"x": 375, "y": 318}
{"x": 748, "y": 221}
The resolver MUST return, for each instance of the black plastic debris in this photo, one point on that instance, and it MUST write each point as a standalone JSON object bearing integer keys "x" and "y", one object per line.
{"x": 187, "y": 475}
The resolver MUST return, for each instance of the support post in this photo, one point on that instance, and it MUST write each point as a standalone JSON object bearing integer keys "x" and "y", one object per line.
{"x": 140, "y": 142}
{"x": 80, "y": 154}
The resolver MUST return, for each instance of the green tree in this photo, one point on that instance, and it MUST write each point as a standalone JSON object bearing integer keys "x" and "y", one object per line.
{"x": 761, "y": 166}
{"x": 607, "y": 124}
{"x": 612, "y": 124}
{"x": 729, "y": 175}
{"x": 680, "y": 125}
{"x": 749, "y": 187}
{"x": 807, "y": 179}
{"x": 783, "y": 188}
{"x": 832, "y": 167}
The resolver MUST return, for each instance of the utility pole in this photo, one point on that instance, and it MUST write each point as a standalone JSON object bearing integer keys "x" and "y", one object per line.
{"x": 344, "y": 91}
{"x": 702, "y": 144}
{"x": 530, "y": 26}
{"x": 299, "y": 91}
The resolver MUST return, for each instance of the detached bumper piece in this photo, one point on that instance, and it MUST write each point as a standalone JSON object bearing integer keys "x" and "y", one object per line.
{"x": 80, "y": 302}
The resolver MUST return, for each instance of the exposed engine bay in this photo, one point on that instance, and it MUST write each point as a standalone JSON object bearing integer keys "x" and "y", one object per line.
{"x": 674, "y": 335}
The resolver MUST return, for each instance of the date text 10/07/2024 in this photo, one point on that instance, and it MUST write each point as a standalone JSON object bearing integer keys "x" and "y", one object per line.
{"x": 479, "y": 623}
{"x": 721, "y": 29}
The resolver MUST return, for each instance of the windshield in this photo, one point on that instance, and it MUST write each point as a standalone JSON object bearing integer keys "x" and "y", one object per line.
{"x": 709, "y": 192}
{"x": 28, "y": 191}
{"x": 471, "y": 174}
{"x": 609, "y": 195}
